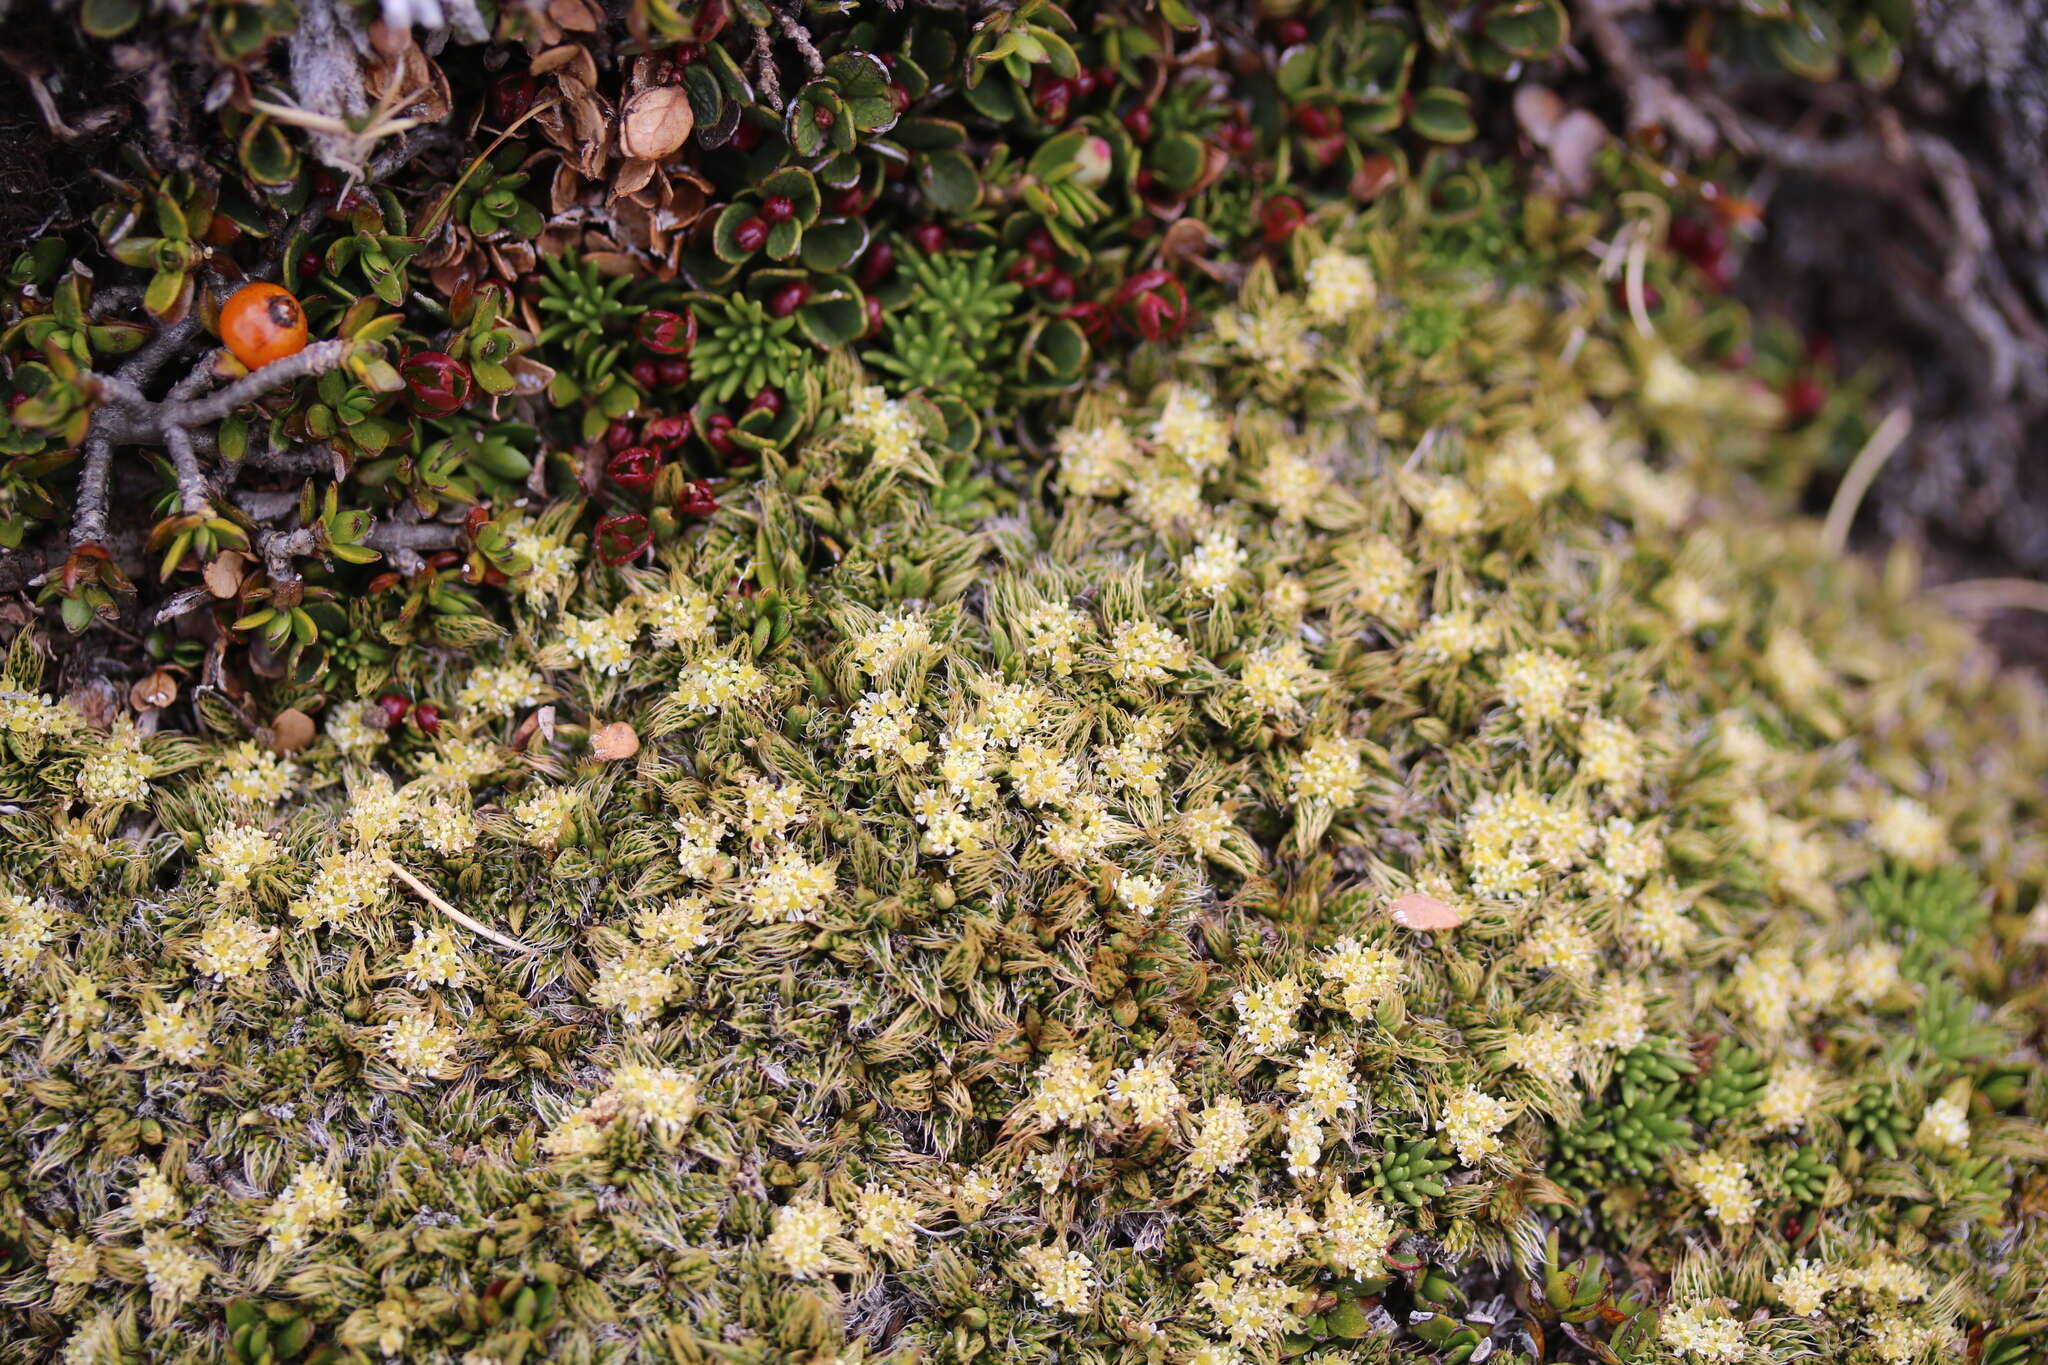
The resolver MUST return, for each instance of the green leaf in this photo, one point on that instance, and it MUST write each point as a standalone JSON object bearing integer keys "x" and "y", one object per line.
{"x": 1444, "y": 115}
{"x": 784, "y": 238}
{"x": 833, "y": 243}
{"x": 1178, "y": 160}
{"x": 833, "y": 316}
{"x": 949, "y": 181}
{"x": 109, "y": 18}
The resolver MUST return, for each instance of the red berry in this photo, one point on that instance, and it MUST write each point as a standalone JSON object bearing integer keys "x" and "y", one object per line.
{"x": 634, "y": 468}
{"x": 930, "y": 238}
{"x": 622, "y": 536}
{"x": 1804, "y": 398}
{"x": 1279, "y": 217}
{"x": 395, "y": 708}
{"x": 873, "y": 307}
{"x": 1105, "y": 78}
{"x": 1041, "y": 244}
{"x": 1084, "y": 83}
{"x": 746, "y": 137}
{"x": 1314, "y": 122}
{"x": 1059, "y": 288}
{"x": 1053, "y": 98}
{"x": 788, "y": 299}
{"x": 686, "y": 54}
{"x": 666, "y": 431}
{"x": 511, "y": 96}
{"x": 850, "y": 202}
{"x": 428, "y": 717}
{"x": 778, "y": 208}
{"x": 823, "y": 116}
{"x": 718, "y": 434}
{"x": 619, "y": 434}
{"x": 1290, "y": 32}
{"x": 666, "y": 333}
{"x": 768, "y": 401}
{"x": 1145, "y": 180}
{"x": 436, "y": 383}
{"x": 675, "y": 372}
{"x": 646, "y": 375}
{"x": 1138, "y": 123}
{"x": 750, "y": 235}
{"x": 899, "y": 98}
{"x": 1241, "y": 140}
{"x": 697, "y": 499}
{"x": 876, "y": 264}
{"x": 310, "y": 264}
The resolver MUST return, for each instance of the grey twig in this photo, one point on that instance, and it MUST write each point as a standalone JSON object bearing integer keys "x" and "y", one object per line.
{"x": 89, "y": 520}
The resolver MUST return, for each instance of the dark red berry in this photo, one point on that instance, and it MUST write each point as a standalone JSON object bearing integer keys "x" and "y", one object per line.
{"x": 788, "y": 299}
{"x": 851, "y": 202}
{"x": 768, "y": 401}
{"x": 1314, "y": 121}
{"x": 1059, "y": 288}
{"x": 622, "y": 536}
{"x": 697, "y": 499}
{"x": 675, "y": 372}
{"x": 823, "y": 116}
{"x": 778, "y": 208}
{"x": 1053, "y": 97}
{"x": 395, "y": 708}
{"x": 873, "y": 307}
{"x": 1804, "y": 398}
{"x": 1105, "y": 79}
{"x": 899, "y": 98}
{"x": 511, "y": 96}
{"x": 1145, "y": 180}
{"x": 876, "y": 264}
{"x": 1241, "y": 139}
{"x": 750, "y": 235}
{"x": 1290, "y": 32}
{"x": 646, "y": 374}
{"x": 1084, "y": 83}
{"x": 428, "y": 717}
{"x": 1138, "y": 123}
{"x": 1279, "y": 217}
{"x": 311, "y": 263}
{"x": 665, "y": 432}
{"x": 666, "y": 333}
{"x": 436, "y": 383}
{"x": 618, "y": 435}
{"x": 634, "y": 468}
{"x": 746, "y": 137}
{"x": 929, "y": 237}
{"x": 1041, "y": 244}
{"x": 718, "y": 434}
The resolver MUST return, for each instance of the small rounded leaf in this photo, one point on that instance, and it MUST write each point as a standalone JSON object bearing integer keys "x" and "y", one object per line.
{"x": 1418, "y": 911}
{"x": 656, "y": 123}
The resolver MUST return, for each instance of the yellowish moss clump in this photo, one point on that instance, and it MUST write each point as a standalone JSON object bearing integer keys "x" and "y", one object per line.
{"x": 986, "y": 952}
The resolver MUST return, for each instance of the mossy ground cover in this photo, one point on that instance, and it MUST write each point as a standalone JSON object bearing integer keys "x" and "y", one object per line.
{"x": 1385, "y": 839}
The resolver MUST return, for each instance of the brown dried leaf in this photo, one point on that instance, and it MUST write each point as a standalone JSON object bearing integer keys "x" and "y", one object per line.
{"x": 577, "y": 16}
{"x": 656, "y": 123}
{"x": 291, "y": 730}
{"x": 158, "y": 689}
{"x": 223, "y": 574}
{"x": 1418, "y": 911}
{"x": 1375, "y": 175}
{"x": 615, "y": 741}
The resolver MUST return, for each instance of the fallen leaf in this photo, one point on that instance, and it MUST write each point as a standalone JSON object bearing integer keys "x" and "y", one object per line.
{"x": 291, "y": 730}
{"x": 615, "y": 741}
{"x": 656, "y": 123}
{"x": 1417, "y": 911}
{"x": 158, "y": 689}
{"x": 1373, "y": 177}
{"x": 223, "y": 573}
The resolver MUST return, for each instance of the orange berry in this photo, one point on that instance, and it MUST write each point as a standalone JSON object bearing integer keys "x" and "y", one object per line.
{"x": 262, "y": 322}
